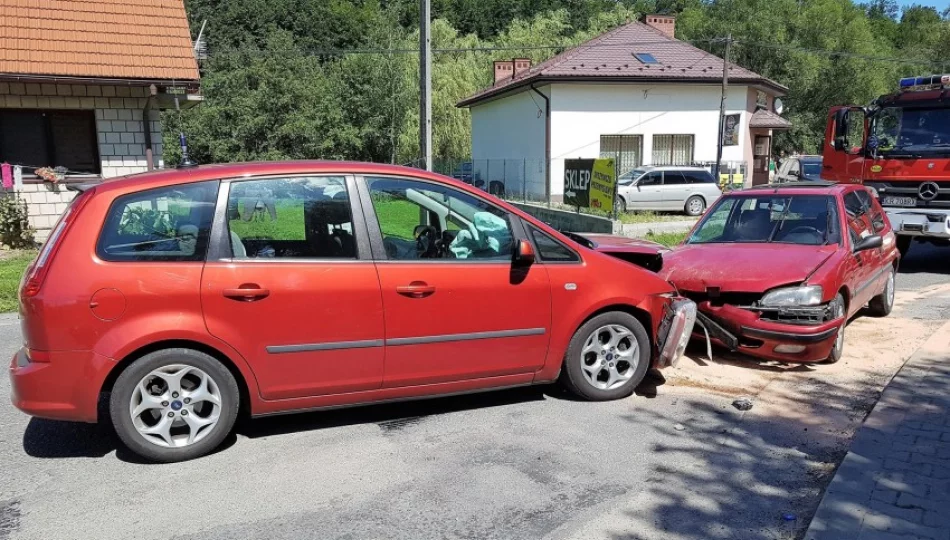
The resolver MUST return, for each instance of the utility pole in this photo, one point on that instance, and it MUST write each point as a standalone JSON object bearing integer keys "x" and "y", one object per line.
{"x": 425, "y": 83}
{"x": 722, "y": 107}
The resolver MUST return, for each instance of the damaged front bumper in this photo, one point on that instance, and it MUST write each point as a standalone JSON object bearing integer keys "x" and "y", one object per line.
{"x": 675, "y": 331}
{"x": 786, "y": 335}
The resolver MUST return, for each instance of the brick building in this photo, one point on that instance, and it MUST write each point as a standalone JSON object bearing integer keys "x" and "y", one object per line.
{"x": 81, "y": 86}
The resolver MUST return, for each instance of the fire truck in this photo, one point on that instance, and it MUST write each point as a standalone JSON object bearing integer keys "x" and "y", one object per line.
{"x": 899, "y": 146}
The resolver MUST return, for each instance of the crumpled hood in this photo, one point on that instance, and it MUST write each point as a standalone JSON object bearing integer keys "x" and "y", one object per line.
{"x": 741, "y": 267}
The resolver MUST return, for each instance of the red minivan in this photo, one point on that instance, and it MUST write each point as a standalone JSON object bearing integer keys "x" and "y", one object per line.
{"x": 188, "y": 295}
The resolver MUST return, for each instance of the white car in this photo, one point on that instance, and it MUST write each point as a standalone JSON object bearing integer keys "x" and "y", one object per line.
{"x": 684, "y": 189}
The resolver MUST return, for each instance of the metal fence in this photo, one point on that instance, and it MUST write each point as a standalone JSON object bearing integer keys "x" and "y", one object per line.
{"x": 525, "y": 179}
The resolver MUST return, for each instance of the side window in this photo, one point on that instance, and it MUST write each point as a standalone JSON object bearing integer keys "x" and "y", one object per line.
{"x": 673, "y": 178}
{"x": 855, "y": 135}
{"x": 419, "y": 220}
{"x": 854, "y": 206}
{"x": 698, "y": 177}
{"x": 291, "y": 218}
{"x": 165, "y": 224}
{"x": 876, "y": 213}
{"x": 550, "y": 250}
{"x": 651, "y": 179}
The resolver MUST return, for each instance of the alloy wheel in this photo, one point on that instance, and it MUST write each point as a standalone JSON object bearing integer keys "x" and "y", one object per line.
{"x": 175, "y": 406}
{"x": 609, "y": 357}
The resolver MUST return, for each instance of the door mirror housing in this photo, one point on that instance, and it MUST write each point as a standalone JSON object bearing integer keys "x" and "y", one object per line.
{"x": 523, "y": 253}
{"x": 869, "y": 242}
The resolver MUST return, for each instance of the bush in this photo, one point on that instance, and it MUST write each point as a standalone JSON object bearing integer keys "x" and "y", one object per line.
{"x": 15, "y": 230}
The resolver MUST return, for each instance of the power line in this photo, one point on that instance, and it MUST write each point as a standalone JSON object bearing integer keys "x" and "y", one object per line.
{"x": 826, "y": 52}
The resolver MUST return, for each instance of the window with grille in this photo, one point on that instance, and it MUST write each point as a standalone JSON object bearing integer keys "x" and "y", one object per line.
{"x": 673, "y": 149}
{"x": 627, "y": 151}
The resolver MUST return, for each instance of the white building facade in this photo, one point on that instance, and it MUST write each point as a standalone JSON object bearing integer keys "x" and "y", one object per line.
{"x": 528, "y": 123}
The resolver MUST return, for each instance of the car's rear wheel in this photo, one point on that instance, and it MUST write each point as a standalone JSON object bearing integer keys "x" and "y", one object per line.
{"x": 174, "y": 405}
{"x": 840, "y": 312}
{"x": 882, "y": 304}
{"x": 695, "y": 205}
{"x": 607, "y": 357}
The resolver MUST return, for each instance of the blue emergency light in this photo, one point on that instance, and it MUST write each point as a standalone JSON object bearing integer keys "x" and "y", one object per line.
{"x": 926, "y": 82}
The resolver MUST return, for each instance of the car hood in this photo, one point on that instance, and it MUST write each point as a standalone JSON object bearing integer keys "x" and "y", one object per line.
{"x": 742, "y": 267}
{"x": 615, "y": 243}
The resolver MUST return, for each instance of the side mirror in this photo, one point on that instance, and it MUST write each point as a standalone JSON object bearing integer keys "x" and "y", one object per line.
{"x": 869, "y": 242}
{"x": 523, "y": 253}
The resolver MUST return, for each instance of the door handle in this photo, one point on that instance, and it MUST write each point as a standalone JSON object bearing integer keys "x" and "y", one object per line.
{"x": 246, "y": 293}
{"x": 416, "y": 289}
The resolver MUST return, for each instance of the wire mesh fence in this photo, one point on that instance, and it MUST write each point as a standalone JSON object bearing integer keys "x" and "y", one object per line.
{"x": 525, "y": 180}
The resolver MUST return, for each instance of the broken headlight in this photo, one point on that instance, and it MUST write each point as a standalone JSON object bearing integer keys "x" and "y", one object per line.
{"x": 793, "y": 296}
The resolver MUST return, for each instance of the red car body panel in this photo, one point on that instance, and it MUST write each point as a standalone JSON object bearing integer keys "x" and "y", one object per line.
{"x": 91, "y": 316}
{"x": 756, "y": 268}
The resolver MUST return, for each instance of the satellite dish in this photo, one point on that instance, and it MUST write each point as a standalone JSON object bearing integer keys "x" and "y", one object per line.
{"x": 778, "y": 106}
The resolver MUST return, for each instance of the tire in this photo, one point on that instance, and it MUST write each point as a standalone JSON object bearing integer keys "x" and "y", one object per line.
{"x": 695, "y": 206}
{"x": 903, "y": 244}
{"x": 620, "y": 205}
{"x": 618, "y": 331}
{"x": 882, "y": 304}
{"x": 838, "y": 350}
{"x": 186, "y": 437}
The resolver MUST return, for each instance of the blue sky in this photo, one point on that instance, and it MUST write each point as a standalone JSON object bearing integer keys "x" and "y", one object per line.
{"x": 939, "y": 4}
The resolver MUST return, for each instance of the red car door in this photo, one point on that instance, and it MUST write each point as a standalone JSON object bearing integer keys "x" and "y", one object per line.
{"x": 292, "y": 290}
{"x": 455, "y": 307}
{"x": 862, "y": 266}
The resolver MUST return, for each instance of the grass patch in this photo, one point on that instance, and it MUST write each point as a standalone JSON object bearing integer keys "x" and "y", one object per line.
{"x": 651, "y": 217}
{"x": 12, "y": 266}
{"x": 668, "y": 239}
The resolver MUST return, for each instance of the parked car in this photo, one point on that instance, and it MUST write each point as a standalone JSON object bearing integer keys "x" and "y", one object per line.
{"x": 188, "y": 295}
{"x": 777, "y": 271}
{"x": 684, "y": 189}
{"x": 799, "y": 169}
{"x": 467, "y": 173}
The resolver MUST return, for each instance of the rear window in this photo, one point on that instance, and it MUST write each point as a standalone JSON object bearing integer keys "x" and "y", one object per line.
{"x": 165, "y": 224}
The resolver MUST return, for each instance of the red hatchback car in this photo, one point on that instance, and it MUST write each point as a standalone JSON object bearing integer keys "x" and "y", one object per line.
{"x": 777, "y": 271}
{"x": 190, "y": 295}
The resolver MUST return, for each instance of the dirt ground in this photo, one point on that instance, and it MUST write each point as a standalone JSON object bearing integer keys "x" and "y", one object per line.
{"x": 825, "y": 403}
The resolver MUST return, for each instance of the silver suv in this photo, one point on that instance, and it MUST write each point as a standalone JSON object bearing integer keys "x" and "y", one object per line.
{"x": 684, "y": 189}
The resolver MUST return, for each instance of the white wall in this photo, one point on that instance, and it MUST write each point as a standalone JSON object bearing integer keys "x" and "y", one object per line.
{"x": 120, "y": 134}
{"x": 508, "y": 142}
{"x": 581, "y": 113}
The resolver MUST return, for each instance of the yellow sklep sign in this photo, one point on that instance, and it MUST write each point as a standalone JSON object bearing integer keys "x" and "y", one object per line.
{"x": 590, "y": 183}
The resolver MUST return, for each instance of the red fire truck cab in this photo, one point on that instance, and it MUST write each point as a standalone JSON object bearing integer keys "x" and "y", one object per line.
{"x": 900, "y": 147}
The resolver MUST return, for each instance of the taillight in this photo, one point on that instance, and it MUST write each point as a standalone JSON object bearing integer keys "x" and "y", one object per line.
{"x": 36, "y": 273}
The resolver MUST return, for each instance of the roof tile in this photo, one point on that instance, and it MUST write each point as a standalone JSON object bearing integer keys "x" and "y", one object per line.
{"x": 138, "y": 39}
{"x": 610, "y": 56}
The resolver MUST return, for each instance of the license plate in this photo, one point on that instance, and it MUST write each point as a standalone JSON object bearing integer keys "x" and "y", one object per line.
{"x": 898, "y": 201}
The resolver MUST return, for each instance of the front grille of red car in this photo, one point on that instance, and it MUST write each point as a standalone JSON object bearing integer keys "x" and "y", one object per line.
{"x": 797, "y": 315}
{"x": 722, "y": 298}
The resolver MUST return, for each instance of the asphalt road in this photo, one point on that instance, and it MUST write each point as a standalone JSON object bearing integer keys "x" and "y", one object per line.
{"x": 530, "y": 463}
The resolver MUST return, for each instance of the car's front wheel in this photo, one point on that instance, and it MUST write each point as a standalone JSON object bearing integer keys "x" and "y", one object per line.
{"x": 620, "y": 205}
{"x": 174, "y": 405}
{"x": 695, "y": 205}
{"x": 607, "y": 357}
{"x": 840, "y": 311}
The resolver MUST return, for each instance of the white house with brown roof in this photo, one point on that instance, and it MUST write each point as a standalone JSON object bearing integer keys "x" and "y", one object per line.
{"x": 81, "y": 86}
{"x": 636, "y": 94}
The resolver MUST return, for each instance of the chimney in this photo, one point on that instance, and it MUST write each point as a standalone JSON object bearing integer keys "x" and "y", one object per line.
{"x": 521, "y": 65}
{"x": 504, "y": 69}
{"x": 663, "y": 23}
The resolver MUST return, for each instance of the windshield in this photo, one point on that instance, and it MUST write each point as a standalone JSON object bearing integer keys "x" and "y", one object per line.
{"x": 811, "y": 168}
{"x": 786, "y": 219}
{"x": 628, "y": 177}
{"x": 899, "y": 130}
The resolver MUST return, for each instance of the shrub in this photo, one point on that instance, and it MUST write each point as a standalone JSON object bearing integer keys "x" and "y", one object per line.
{"x": 15, "y": 230}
